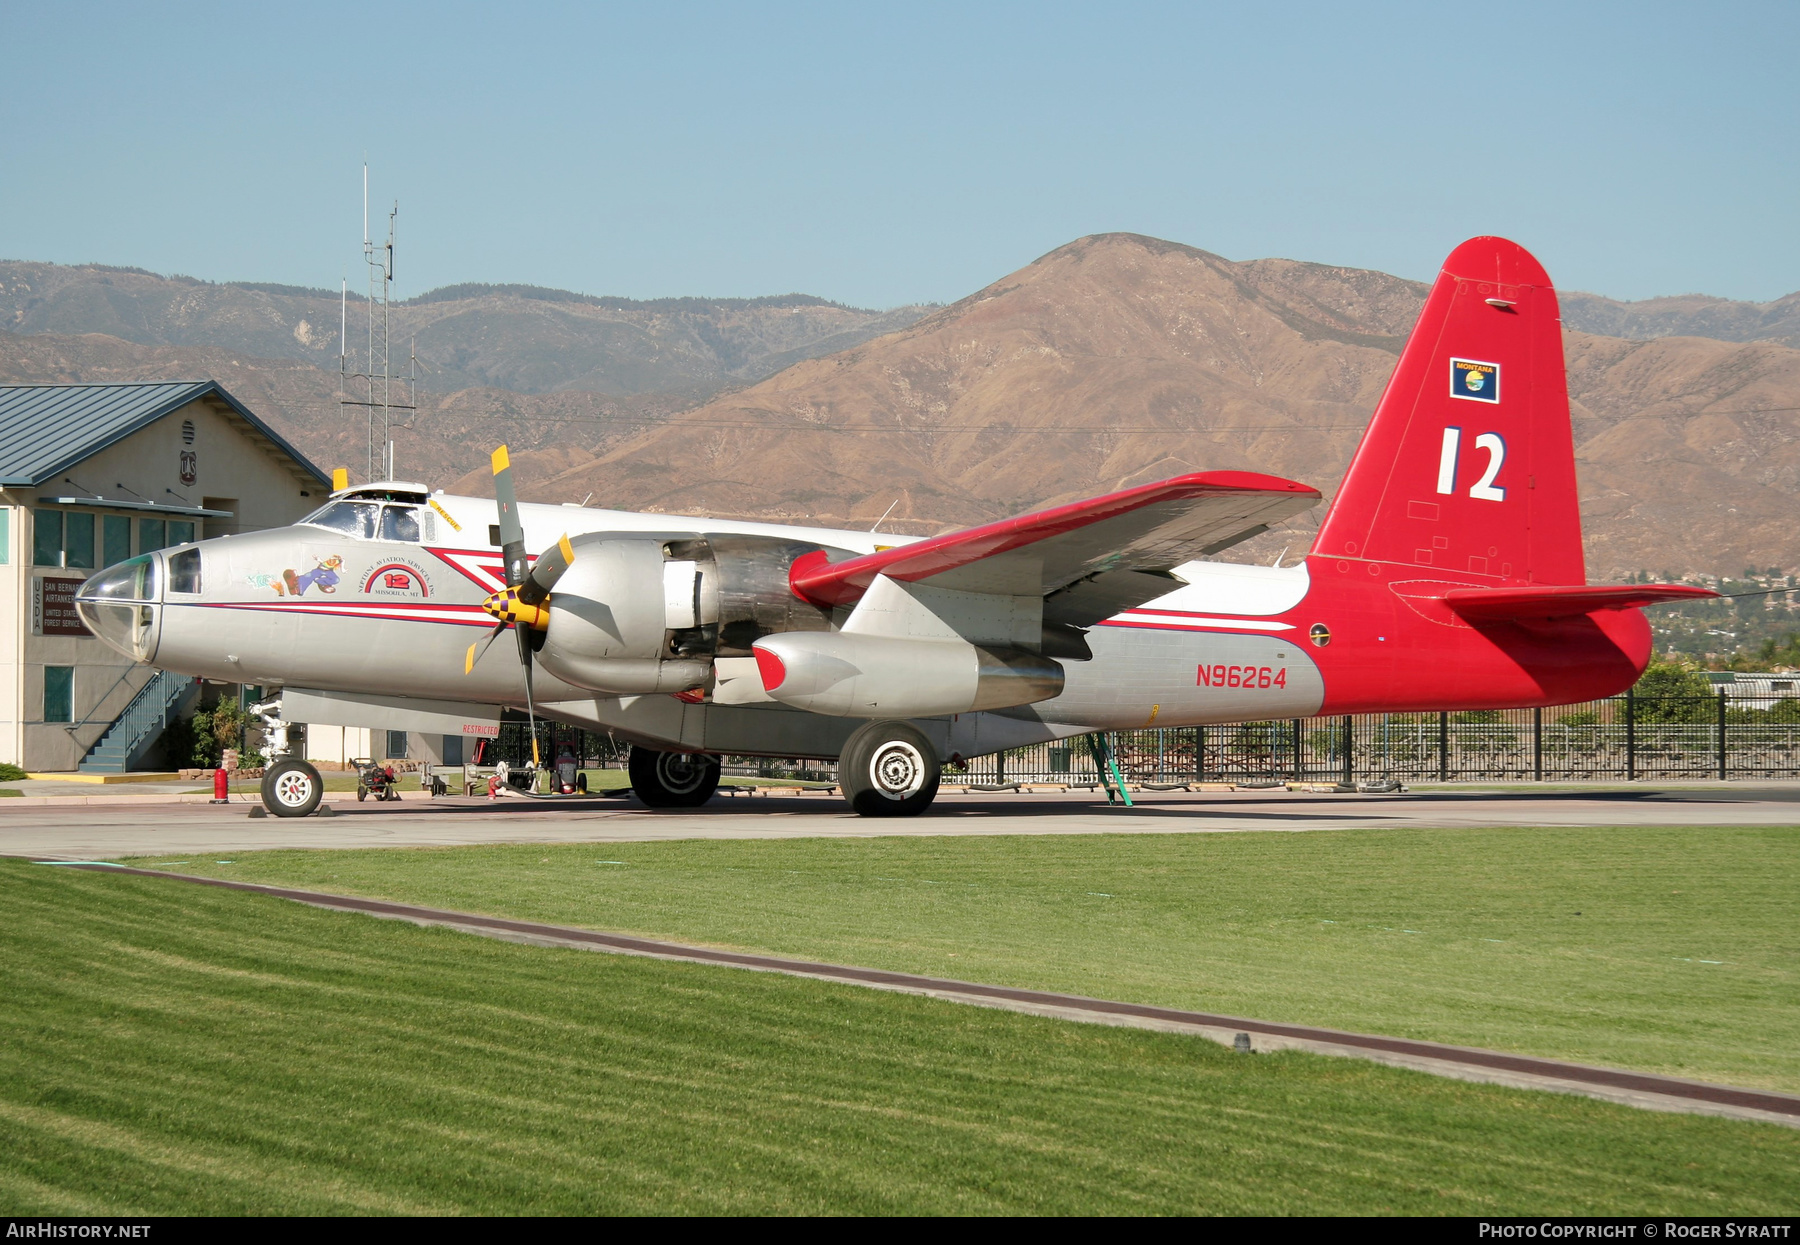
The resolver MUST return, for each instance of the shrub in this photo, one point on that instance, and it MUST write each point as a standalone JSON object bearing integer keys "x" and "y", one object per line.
{"x": 10, "y": 772}
{"x": 1671, "y": 692}
{"x": 201, "y": 739}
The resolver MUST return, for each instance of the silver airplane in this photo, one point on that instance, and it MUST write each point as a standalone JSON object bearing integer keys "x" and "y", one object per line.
{"x": 1448, "y": 574}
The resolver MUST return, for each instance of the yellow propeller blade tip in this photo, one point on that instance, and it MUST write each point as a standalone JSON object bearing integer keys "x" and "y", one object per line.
{"x": 340, "y": 479}
{"x": 568, "y": 550}
{"x": 501, "y": 460}
{"x": 469, "y": 661}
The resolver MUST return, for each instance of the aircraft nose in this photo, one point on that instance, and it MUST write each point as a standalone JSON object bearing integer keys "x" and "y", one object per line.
{"x": 119, "y": 606}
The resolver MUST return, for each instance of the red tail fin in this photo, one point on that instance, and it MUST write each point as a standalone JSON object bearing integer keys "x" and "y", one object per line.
{"x": 1468, "y": 466}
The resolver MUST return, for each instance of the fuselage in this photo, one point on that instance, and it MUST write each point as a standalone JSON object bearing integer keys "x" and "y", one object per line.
{"x": 387, "y": 605}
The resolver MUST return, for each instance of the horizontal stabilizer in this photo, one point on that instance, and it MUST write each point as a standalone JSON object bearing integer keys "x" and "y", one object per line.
{"x": 1540, "y": 601}
{"x": 1153, "y": 527}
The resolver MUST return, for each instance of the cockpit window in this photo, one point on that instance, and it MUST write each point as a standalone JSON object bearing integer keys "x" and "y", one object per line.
{"x": 184, "y": 571}
{"x": 353, "y": 518}
{"x": 400, "y": 523}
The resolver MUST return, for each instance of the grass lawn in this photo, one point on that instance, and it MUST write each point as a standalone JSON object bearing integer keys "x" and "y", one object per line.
{"x": 1668, "y": 950}
{"x": 177, "y": 1050}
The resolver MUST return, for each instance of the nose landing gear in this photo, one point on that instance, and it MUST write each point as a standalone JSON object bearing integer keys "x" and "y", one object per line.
{"x": 290, "y": 786}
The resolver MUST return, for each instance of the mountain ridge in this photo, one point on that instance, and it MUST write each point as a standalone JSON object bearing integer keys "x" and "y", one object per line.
{"x": 521, "y": 338}
{"x": 1119, "y": 359}
{"x": 1115, "y": 359}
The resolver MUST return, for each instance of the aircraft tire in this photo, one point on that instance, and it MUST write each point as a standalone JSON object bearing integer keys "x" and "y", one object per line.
{"x": 673, "y": 779}
{"x": 292, "y": 788}
{"x": 889, "y": 769}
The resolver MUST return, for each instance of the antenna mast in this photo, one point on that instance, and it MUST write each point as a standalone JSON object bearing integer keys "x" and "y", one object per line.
{"x": 374, "y": 385}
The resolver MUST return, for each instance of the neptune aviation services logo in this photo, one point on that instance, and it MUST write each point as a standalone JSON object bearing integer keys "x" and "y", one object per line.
{"x": 397, "y": 577}
{"x": 1476, "y": 382}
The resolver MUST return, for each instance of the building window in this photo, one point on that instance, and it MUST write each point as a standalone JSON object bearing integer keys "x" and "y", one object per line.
{"x": 152, "y": 534}
{"x": 181, "y": 531}
{"x": 396, "y": 745}
{"x": 63, "y": 538}
{"x": 453, "y": 750}
{"x": 59, "y": 693}
{"x": 78, "y": 539}
{"x": 46, "y": 538}
{"x": 115, "y": 539}
{"x": 5, "y": 535}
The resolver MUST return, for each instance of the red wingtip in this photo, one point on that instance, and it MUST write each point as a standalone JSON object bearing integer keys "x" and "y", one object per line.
{"x": 1499, "y": 260}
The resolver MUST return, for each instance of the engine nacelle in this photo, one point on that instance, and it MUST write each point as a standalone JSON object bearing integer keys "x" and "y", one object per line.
{"x": 608, "y": 621}
{"x": 870, "y": 676}
{"x": 639, "y": 613}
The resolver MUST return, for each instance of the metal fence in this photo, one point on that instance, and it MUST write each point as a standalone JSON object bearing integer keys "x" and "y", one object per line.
{"x": 1623, "y": 738}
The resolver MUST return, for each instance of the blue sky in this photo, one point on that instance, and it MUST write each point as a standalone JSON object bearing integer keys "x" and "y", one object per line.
{"x": 883, "y": 154}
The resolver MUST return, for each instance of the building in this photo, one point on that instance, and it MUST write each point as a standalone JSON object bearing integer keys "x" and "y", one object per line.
{"x": 1756, "y": 689}
{"x": 91, "y": 475}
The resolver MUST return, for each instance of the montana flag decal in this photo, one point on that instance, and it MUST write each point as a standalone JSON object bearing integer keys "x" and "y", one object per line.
{"x": 1477, "y": 382}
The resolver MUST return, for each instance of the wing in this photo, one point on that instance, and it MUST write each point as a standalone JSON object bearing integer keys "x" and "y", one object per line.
{"x": 1545, "y": 602}
{"x": 1152, "y": 528}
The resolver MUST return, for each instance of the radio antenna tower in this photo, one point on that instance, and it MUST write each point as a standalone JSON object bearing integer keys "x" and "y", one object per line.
{"x": 374, "y": 385}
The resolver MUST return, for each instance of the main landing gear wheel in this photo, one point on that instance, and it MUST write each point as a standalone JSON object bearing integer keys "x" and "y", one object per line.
{"x": 673, "y": 779}
{"x": 889, "y": 769}
{"x": 292, "y": 788}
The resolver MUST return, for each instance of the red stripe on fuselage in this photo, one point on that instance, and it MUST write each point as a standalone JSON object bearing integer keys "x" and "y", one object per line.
{"x": 427, "y": 612}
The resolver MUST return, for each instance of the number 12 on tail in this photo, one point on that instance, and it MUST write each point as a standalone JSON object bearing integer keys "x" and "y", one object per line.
{"x": 1483, "y": 489}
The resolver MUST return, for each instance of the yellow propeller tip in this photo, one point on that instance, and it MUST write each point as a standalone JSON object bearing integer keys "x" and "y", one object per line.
{"x": 469, "y": 660}
{"x": 501, "y": 460}
{"x": 568, "y": 550}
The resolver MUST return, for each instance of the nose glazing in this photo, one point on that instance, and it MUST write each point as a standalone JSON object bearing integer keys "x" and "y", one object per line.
{"x": 119, "y": 606}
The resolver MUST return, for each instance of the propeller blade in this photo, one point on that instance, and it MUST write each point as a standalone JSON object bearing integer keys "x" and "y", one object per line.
{"x": 512, "y": 531}
{"x": 546, "y": 571}
{"x": 473, "y": 657}
{"x": 524, "y": 635}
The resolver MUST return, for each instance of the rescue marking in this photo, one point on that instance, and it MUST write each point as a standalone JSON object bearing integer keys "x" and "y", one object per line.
{"x": 454, "y": 525}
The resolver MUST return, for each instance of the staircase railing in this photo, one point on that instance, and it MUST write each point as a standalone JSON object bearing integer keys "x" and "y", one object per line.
{"x": 145, "y": 717}
{"x": 91, "y": 717}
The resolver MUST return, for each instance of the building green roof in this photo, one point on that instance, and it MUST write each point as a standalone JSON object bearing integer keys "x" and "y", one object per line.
{"x": 46, "y": 429}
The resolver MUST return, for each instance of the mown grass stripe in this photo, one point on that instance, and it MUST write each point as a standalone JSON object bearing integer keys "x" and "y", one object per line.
{"x": 326, "y": 1063}
{"x": 1290, "y": 928}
